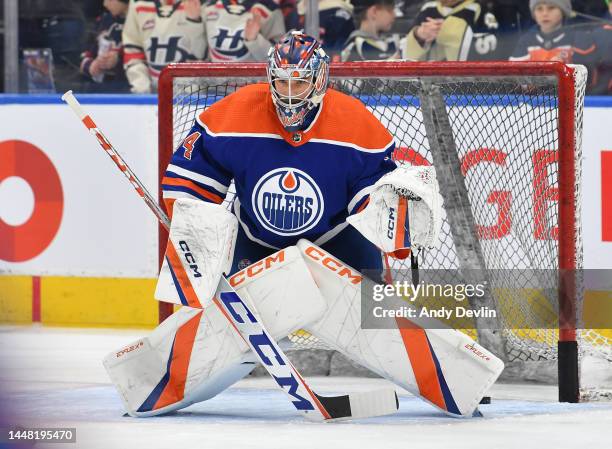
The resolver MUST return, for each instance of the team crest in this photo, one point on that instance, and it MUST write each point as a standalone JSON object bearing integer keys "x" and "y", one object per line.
{"x": 287, "y": 201}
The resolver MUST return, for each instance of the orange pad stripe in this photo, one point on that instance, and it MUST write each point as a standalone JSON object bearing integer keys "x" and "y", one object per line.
{"x": 421, "y": 360}
{"x": 169, "y": 203}
{"x": 181, "y": 276}
{"x": 401, "y": 222}
{"x": 179, "y": 365}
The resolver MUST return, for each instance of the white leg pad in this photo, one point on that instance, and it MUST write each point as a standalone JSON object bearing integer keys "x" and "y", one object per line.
{"x": 443, "y": 366}
{"x": 195, "y": 354}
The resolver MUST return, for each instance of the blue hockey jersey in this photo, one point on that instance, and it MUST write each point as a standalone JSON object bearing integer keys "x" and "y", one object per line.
{"x": 288, "y": 185}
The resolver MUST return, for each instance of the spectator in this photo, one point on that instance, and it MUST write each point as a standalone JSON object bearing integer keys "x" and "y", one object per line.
{"x": 602, "y": 36}
{"x": 60, "y": 26}
{"x": 160, "y": 32}
{"x": 372, "y": 17}
{"x": 242, "y": 30}
{"x": 445, "y": 30}
{"x": 290, "y": 12}
{"x": 550, "y": 40}
{"x": 514, "y": 18}
{"x": 101, "y": 63}
{"x": 335, "y": 24}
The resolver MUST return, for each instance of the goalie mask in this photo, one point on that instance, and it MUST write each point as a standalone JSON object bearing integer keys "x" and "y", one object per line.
{"x": 298, "y": 73}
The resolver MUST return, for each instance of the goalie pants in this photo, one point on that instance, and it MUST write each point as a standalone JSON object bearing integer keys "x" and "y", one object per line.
{"x": 349, "y": 246}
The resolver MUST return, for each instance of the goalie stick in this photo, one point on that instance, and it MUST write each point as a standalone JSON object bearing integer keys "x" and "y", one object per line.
{"x": 252, "y": 331}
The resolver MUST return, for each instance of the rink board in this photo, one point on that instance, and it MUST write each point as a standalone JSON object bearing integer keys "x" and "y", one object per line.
{"x": 105, "y": 245}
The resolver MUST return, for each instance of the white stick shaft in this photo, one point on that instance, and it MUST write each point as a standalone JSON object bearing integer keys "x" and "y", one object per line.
{"x": 69, "y": 98}
{"x": 74, "y": 104}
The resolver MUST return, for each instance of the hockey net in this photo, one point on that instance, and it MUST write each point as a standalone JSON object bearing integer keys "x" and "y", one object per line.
{"x": 505, "y": 139}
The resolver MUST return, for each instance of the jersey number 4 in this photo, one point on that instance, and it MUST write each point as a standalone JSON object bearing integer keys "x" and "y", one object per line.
{"x": 189, "y": 143}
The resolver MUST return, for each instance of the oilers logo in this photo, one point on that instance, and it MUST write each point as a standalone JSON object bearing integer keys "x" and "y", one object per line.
{"x": 287, "y": 201}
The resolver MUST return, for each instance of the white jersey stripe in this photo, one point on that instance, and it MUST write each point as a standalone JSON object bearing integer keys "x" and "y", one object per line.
{"x": 277, "y": 136}
{"x": 175, "y": 194}
{"x": 353, "y": 146}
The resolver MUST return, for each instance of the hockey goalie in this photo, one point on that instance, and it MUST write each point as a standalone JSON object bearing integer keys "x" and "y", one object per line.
{"x": 318, "y": 201}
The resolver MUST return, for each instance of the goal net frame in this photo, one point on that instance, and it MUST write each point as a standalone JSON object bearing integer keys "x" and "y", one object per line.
{"x": 569, "y": 127}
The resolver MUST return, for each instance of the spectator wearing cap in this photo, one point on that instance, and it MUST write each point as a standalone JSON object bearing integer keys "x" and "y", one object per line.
{"x": 367, "y": 43}
{"x": 445, "y": 30}
{"x": 101, "y": 63}
{"x": 550, "y": 39}
{"x": 335, "y": 23}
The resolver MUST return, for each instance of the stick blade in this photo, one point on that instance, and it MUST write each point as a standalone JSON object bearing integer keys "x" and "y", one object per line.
{"x": 373, "y": 403}
{"x": 358, "y": 405}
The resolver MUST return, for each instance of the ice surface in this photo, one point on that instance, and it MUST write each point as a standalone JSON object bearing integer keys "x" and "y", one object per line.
{"x": 54, "y": 377}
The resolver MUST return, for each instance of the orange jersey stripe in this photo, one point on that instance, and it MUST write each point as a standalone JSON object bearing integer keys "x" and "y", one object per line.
{"x": 181, "y": 276}
{"x": 421, "y": 360}
{"x": 342, "y": 119}
{"x": 174, "y": 390}
{"x": 191, "y": 185}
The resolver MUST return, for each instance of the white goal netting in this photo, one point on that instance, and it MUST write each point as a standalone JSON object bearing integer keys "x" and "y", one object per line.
{"x": 496, "y": 140}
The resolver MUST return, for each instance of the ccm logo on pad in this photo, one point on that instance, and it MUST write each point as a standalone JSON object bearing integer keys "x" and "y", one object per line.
{"x": 332, "y": 264}
{"x": 256, "y": 268}
{"x": 391, "y": 225}
{"x": 190, "y": 259}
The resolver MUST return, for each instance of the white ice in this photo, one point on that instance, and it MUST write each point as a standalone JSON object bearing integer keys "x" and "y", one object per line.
{"x": 52, "y": 377}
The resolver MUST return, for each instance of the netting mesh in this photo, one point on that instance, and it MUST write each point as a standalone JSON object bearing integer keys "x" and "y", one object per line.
{"x": 505, "y": 132}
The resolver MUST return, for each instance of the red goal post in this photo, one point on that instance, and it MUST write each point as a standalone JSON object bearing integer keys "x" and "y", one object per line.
{"x": 535, "y": 82}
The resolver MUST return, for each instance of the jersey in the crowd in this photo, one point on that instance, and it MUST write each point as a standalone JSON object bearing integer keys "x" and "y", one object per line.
{"x": 225, "y": 23}
{"x": 565, "y": 44}
{"x": 288, "y": 185}
{"x": 335, "y": 22}
{"x": 465, "y": 34}
{"x": 362, "y": 46}
{"x": 158, "y": 33}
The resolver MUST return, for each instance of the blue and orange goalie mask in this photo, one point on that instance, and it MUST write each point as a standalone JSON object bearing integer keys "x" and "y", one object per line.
{"x": 298, "y": 73}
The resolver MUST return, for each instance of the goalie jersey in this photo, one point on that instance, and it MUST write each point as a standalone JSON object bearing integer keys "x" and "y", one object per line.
{"x": 288, "y": 185}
